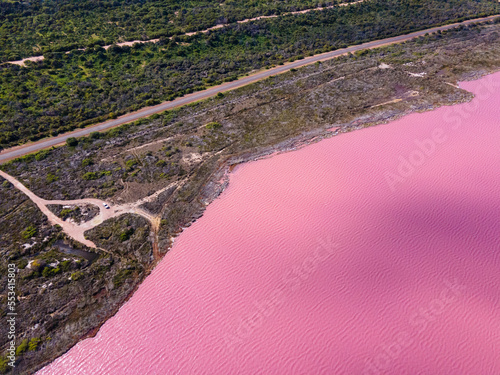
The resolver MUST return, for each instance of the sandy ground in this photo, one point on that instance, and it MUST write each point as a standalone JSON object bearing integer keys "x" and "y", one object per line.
{"x": 274, "y": 16}
{"x": 23, "y": 61}
{"x": 76, "y": 231}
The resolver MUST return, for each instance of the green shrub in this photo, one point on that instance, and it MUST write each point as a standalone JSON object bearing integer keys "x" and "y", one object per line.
{"x": 33, "y": 344}
{"x": 49, "y": 271}
{"x": 131, "y": 163}
{"x": 125, "y": 235}
{"x": 213, "y": 125}
{"x": 37, "y": 264}
{"x": 22, "y": 347}
{"x": 121, "y": 276}
{"x": 29, "y": 232}
{"x": 65, "y": 265}
{"x": 41, "y": 155}
{"x": 51, "y": 178}
{"x": 65, "y": 212}
{"x": 22, "y": 263}
{"x": 46, "y": 272}
{"x": 71, "y": 141}
{"x": 3, "y": 364}
{"x": 90, "y": 176}
{"x": 76, "y": 275}
{"x": 87, "y": 162}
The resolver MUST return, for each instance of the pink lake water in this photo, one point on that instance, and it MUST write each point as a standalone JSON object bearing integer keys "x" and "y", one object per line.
{"x": 373, "y": 252}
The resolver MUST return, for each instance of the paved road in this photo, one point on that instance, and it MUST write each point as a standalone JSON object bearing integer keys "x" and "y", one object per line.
{"x": 18, "y": 151}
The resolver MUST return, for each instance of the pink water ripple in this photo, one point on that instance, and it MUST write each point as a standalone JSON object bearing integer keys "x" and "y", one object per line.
{"x": 316, "y": 262}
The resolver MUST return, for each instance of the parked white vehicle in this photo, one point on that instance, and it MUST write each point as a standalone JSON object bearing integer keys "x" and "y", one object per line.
{"x": 105, "y": 205}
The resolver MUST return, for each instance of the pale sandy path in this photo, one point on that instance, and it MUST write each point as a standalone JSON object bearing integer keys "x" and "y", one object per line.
{"x": 76, "y": 231}
{"x": 274, "y": 16}
{"x": 28, "y": 148}
{"x": 130, "y": 43}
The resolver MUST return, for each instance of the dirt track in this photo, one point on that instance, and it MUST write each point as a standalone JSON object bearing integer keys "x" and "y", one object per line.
{"x": 76, "y": 231}
{"x": 18, "y": 151}
{"x": 130, "y": 43}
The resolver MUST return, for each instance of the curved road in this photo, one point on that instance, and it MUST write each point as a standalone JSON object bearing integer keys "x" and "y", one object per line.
{"x": 18, "y": 151}
{"x": 77, "y": 231}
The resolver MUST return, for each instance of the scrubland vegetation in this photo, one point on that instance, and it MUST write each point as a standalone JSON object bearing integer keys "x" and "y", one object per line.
{"x": 58, "y": 289}
{"x": 67, "y": 91}
{"x": 37, "y": 27}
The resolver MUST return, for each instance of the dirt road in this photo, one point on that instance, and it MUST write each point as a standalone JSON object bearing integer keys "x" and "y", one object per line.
{"x": 18, "y": 151}
{"x": 76, "y": 231}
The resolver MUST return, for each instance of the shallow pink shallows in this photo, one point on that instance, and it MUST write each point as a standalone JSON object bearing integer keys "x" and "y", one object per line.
{"x": 339, "y": 258}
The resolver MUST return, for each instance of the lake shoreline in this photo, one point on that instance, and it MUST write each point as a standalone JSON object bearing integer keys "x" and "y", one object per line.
{"x": 220, "y": 180}
{"x": 283, "y": 149}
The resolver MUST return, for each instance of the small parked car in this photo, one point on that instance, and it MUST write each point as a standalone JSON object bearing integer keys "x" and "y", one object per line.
{"x": 105, "y": 205}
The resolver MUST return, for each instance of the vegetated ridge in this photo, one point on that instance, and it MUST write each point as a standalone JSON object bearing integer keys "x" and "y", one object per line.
{"x": 67, "y": 91}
